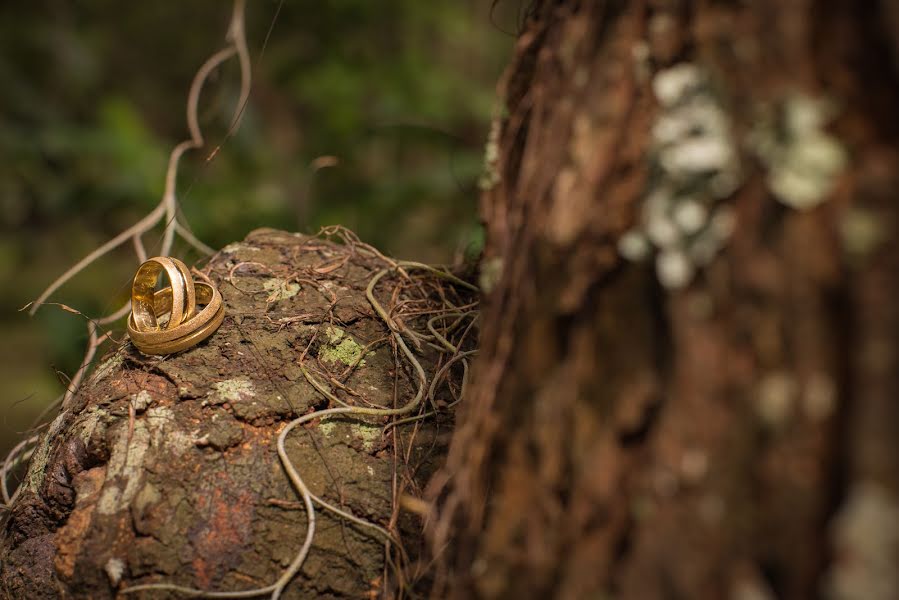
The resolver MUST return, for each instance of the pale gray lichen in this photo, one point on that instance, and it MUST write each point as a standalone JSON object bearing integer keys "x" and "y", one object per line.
{"x": 280, "y": 289}
{"x": 491, "y": 272}
{"x": 124, "y": 471}
{"x": 861, "y": 233}
{"x": 157, "y": 431}
{"x": 490, "y": 176}
{"x": 640, "y": 52}
{"x": 238, "y": 246}
{"x": 37, "y": 467}
{"x": 91, "y": 420}
{"x": 674, "y": 268}
{"x": 232, "y": 390}
{"x": 865, "y": 538}
{"x": 633, "y": 246}
{"x": 695, "y": 165}
{"x": 802, "y": 159}
{"x": 776, "y": 398}
{"x": 141, "y": 400}
{"x": 115, "y": 568}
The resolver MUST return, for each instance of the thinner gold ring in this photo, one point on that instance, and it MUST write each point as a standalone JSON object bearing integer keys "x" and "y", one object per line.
{"x": 143, "y": 289}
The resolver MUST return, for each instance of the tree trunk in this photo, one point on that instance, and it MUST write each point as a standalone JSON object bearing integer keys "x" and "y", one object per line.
{"x": 688, "y": 368}
{"x": 164, "y": 470}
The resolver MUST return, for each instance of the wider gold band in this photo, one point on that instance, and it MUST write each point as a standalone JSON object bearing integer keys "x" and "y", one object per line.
{"x": 164, "y": 300}
{"x": 144, "y": 285}
{"x": 185, "y": 327}
{"x": 187, "y": 341}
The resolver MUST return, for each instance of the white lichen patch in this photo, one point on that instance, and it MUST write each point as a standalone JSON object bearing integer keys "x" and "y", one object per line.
{"x": 695, "y": 165}
{"x": 125, "y": 469}
{"x": 233, "y": 390}
{"x": 640, "y": 52}
{"x": 803, "y": 160}
{"x": 491, "y": 272}
{"x": 865, "y": 539}
{"x": 861, "y": 233}
{"x": 91, "y": 420}
{"x": 776, "y": 398}
{"x": 157, "y": 431}
{"x": 236, "y": 246}
{"x": 280, "y": 289}
{"x": 115, "y": 568}
{"x": 490, "y": 176}
{"x": 141, "y": 400}
{"x": 341, "y": 347}
{"x": 165, "y": 433}
{"x": 634, "y": 246}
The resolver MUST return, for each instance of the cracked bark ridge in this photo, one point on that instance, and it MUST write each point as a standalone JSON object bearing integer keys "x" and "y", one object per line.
{"x": 165, "y": 470}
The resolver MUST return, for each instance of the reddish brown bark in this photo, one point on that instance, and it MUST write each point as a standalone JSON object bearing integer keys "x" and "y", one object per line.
{"x": 624, "y": 439}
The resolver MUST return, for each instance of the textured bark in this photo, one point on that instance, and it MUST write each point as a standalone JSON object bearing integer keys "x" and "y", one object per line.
{"x": 735, "y": 438}
{"x": 165, "y": 470}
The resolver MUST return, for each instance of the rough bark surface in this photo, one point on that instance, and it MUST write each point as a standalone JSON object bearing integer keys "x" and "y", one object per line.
{"x": 734, "y": 438}
{"x": 165, "y": 469}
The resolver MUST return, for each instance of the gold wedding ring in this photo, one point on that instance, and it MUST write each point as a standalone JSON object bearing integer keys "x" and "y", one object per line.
{"x": 185, "y": 327}
{"x": 144, "y": 285}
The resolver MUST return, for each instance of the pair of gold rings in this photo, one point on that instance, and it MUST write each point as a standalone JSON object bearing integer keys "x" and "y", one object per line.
{"x": 194, "y": 308}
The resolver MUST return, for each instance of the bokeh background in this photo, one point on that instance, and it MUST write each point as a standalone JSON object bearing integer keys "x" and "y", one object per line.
{"x": 92, "y": 99}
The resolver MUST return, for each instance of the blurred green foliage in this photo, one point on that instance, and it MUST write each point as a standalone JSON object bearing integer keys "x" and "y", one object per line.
{"x": 92, "y": 99}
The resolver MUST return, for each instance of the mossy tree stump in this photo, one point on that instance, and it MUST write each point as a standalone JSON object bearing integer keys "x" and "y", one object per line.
{"x": 164, "y": 469}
